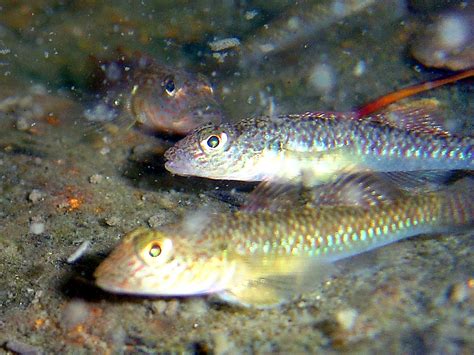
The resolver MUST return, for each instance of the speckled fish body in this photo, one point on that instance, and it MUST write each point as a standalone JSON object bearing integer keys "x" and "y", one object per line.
{"x": 315, "y": 147}
{"x": 266, "y": 257}
{"x": 159, "y": 97}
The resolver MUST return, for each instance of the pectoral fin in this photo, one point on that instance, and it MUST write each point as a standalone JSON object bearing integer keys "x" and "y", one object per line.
{"x": 266, "y": 282}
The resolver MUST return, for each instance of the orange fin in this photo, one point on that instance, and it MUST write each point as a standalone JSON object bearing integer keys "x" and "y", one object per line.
{"x": 419, "y": 116}
{"x": 388, "y": 99}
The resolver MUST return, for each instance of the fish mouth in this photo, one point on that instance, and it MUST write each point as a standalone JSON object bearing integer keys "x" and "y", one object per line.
{"x": 109, "y": 287}
{"x": 202, "y": 114}
{"x": 110, "y": 281}
{"x": 176, "y": 119}
{"x": 183, "y": 122}
{"x": 177, "y": 161}
{"x": 176, "y": 168}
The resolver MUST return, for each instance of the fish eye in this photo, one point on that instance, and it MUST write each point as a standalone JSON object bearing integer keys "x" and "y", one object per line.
{"x": 154, "y": 250}
{"x": 169, "y": 87}
{"x": 213, "y": 141}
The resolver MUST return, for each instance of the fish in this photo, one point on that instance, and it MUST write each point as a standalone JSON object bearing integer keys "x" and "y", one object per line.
{"x": 158, "y": 98}
{"x": 267, "y": 257}
{"x": 312, "y": 148}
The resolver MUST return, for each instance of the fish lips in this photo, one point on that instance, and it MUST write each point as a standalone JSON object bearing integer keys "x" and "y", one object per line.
{"x": 179, "y": 160}
{"x": 178, "y": 167}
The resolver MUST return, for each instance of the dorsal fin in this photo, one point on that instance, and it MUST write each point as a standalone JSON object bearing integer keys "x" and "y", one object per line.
{"x": 360, "y": 189}
{"x": 417, "y": 116}
{"x": 272, "y": 195}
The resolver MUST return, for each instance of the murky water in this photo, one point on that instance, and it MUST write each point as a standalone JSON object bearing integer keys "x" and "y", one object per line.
{"x": 69, "y": 184}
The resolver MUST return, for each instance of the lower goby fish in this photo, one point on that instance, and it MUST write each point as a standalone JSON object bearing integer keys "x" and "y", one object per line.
{"x": 158, "y": 97}
{"x": 267, "y": 257}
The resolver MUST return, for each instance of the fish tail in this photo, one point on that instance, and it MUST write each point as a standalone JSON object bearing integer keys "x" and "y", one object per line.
{"x": 458, "y": 204}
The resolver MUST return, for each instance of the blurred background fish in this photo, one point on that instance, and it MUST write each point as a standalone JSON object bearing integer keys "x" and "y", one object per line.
{"x": 160, "y": 98}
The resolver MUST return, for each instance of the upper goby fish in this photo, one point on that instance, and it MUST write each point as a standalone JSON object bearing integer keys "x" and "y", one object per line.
{"x": 266, "y": 257}
{"x": 158, "y": 97}
{"x": 314, "y": 147}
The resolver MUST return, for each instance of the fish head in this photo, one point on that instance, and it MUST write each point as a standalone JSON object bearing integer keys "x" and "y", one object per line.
{"x": 154, "y": 263}
{"x": 216, "y": 152}
{"x": 172, "y": 100}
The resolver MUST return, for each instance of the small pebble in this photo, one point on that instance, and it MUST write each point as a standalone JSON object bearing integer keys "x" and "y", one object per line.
{"x": 96, "y": 179}
{"x": 117, "y": 337}
{"x": 79, "y": 252}
{"x": 194, "y": 307}
{"x": 160, "y": 306}
{"x": 346, "y": 318}
{"x": 266, "y": 47}
{"x": 112, "y": 221}
{"x": 359, "y": 69}
{"x": 459, "y": 293}
{"x": 167, "y": 201}
{"x": 160, "y": 218}
{"x": 172, "y": 308}
{"x": 249, "y": 15}
{"x": 37, "y": 227}
{"x": 226, "y": 43}
{"x": 22, "y": 124}
{"x": 322, "y": 78}
{"x": 293, "y": 23}
{"x": 19, "y": 347}
{"x": 38, "y": 295}
{"x": 453, "y": 31}
{"x": 223, "y": 344}
{"x": 38, "y": 89}
{"x": 219, "y": 57}
{"x": 104, "y": 151}
{"x": 35, "y": 195}
{"x": 74, "y": 313}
